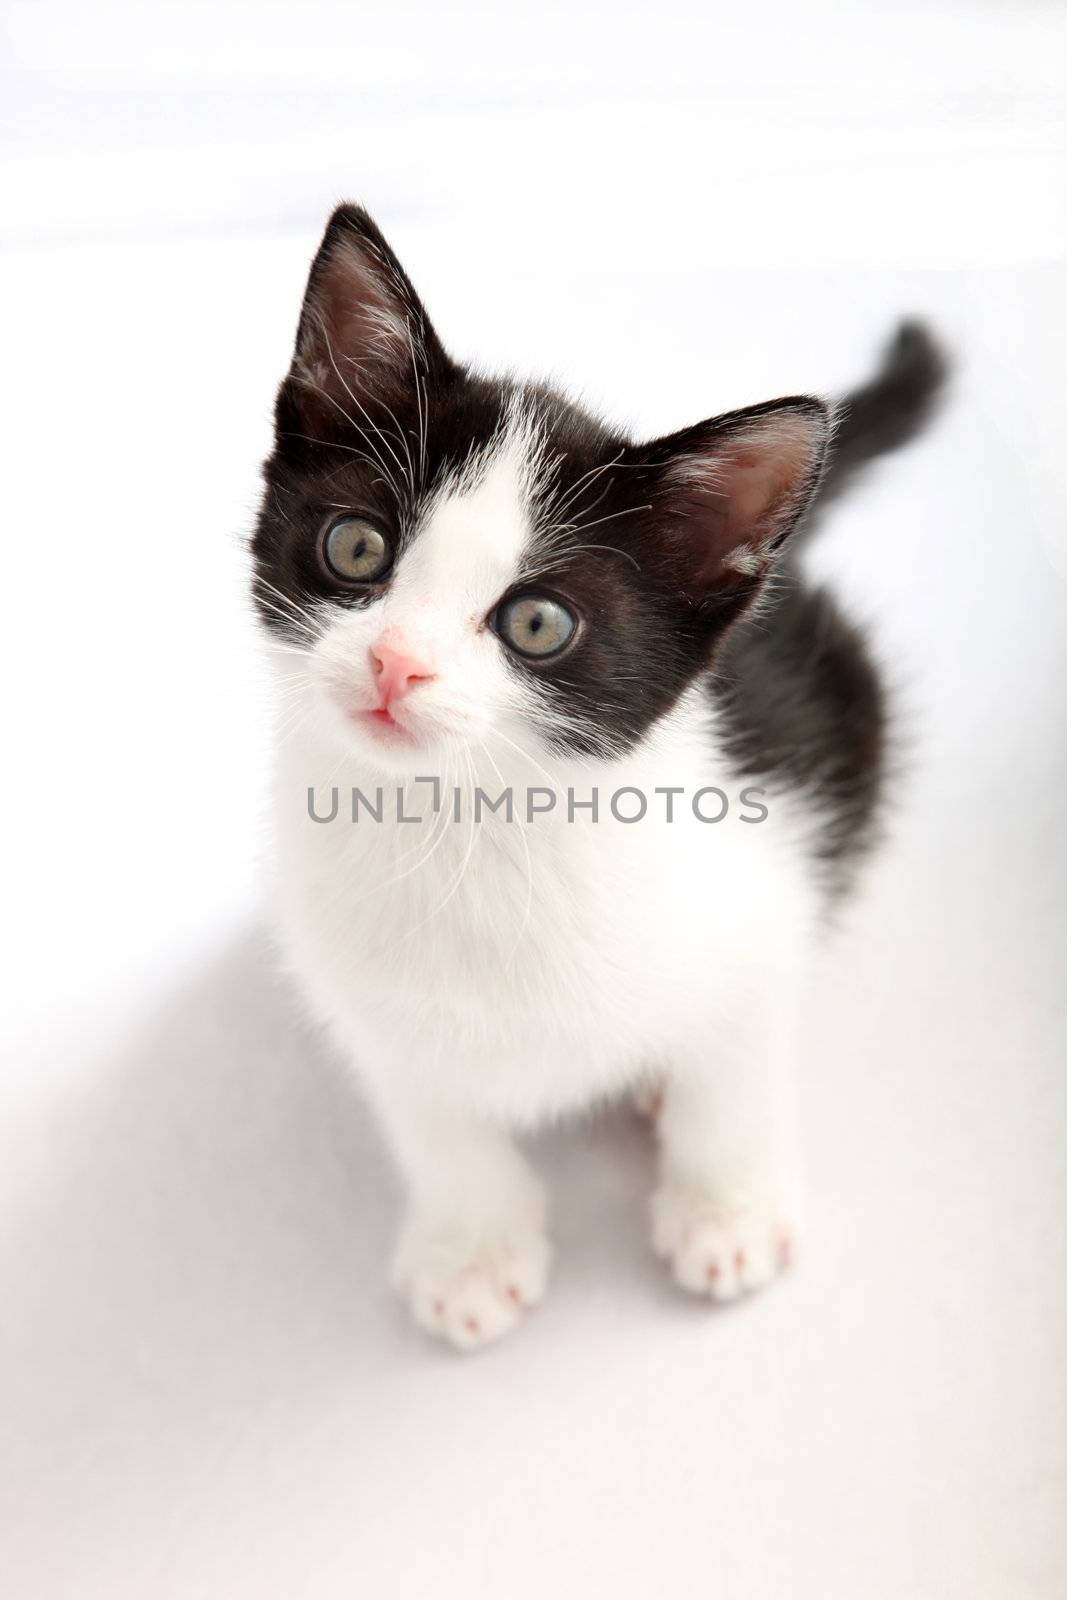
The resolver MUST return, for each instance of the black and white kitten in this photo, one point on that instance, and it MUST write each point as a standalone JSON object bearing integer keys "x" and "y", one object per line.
{"x": 471, "y": 585}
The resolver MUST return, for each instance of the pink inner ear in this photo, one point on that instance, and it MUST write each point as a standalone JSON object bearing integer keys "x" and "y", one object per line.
{"x": 742, "y": 494}
{"x": 357, "y": 325}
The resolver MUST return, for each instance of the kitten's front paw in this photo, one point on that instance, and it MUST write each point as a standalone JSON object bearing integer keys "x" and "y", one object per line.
{"x": 468, "y": 1290}
{"x": 715, "y": 1251}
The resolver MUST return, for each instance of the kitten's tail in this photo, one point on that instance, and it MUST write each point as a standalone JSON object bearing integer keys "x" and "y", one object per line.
{"x": 883, "y": 414}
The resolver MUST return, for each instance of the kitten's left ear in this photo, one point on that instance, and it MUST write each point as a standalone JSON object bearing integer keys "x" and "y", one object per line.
{"x": 728, "y": 492}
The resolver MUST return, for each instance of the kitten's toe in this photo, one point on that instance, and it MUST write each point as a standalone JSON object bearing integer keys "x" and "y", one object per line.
{"x": 470, "y": 1291}
{"x": 717, "y": 1252}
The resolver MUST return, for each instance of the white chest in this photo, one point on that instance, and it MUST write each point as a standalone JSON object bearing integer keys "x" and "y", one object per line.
{"x": 529, "y": 964}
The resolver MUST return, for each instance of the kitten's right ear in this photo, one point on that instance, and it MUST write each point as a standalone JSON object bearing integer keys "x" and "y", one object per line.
{"x": 364, "y": 336}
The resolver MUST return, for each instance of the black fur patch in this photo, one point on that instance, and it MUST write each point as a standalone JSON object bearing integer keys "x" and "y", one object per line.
{"x": 802, "y": 706}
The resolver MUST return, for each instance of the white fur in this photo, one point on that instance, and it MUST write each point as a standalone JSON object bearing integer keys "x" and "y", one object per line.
{"x": 488, "y": 978}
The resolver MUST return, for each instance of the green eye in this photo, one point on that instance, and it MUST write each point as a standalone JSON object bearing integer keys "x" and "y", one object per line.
{"x": 355, "y": 551}
{"x": 534, "y": 625}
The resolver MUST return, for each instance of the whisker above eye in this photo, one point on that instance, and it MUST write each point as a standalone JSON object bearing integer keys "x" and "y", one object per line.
{"x": 586, "y": 481}
{"x": 361, "y": 455}
{"x": 530, "y": 574}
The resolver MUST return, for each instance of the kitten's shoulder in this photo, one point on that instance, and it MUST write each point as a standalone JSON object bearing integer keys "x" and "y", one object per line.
{"x": 801, "y": 706}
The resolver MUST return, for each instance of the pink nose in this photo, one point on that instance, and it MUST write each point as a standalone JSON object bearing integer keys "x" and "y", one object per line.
{"x": 396, "y": 668}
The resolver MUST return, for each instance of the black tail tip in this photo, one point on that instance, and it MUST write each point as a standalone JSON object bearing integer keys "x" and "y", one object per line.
{"x": 915, "y": 368}
{"x": 896, "y": 403}
{"x": 890, "y": 409}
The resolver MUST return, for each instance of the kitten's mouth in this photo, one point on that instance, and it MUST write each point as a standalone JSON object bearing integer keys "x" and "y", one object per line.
{"x": 383, "y": 725}
{"x": 376, "y": 722}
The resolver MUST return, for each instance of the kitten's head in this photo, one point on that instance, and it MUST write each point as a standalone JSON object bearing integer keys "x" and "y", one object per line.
{"x": 463, "y": 561}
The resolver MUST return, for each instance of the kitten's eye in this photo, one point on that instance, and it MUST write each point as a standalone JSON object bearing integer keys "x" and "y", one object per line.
{"x": 355, "y": 551}
{"x": 534, "y": 625}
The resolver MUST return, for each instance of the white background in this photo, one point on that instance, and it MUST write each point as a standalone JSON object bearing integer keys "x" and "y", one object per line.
{"x": 207, "y": 1391}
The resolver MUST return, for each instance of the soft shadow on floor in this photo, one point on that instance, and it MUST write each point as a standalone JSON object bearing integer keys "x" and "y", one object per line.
{"x": 211, "y": 1200}
{"x": 210, "y": 1220}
